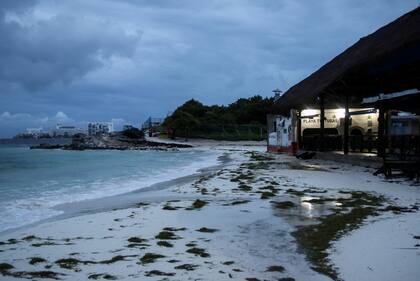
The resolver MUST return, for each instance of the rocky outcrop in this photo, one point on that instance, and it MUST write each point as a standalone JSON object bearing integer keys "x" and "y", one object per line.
{"x": 114, "y": 141}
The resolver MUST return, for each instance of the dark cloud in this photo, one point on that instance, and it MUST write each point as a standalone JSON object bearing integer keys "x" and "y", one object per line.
{"x": 35, "y": 54}
{"x": 104, "y": 59}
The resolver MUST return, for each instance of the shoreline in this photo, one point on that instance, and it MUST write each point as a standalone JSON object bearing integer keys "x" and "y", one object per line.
{"x": 125, "y": 200}
{"x": 238, "y": 221}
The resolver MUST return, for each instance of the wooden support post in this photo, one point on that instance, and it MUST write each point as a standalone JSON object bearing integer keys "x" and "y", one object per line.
{"x": 321, "y": 123}
{"x": 299, "y": 128}
{"x": 381, "y": 132}
{"x": 346, "y": 126}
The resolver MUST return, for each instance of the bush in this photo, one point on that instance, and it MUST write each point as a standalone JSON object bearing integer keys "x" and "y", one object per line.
{"x": 244, "y": 119}
{"x": 133, "y": 133}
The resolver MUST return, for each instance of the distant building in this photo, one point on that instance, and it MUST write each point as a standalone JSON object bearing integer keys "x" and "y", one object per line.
{"x": 34, "y": 132}
{"x": 152, "y": 122}
{"x": 99, "y": 128}
{"x": 62, "y": 131}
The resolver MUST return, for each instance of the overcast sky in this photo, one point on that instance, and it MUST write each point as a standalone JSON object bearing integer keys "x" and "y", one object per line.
{"x": 100, "y": 60}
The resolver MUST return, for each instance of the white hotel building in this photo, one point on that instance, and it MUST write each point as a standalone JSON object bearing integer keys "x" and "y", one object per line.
{"x": 99, "y": 128}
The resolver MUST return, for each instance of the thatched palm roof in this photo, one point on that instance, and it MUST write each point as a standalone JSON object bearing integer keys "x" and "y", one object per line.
{"x": 387, "y": 60}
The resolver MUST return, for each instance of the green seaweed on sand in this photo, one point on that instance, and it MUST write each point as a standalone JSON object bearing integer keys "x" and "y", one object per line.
{"x": 136, "y": 240}
{"x": 252, "y": 279}
{"x": 359, "y": 198}
{"x": 142, "y": 204}
{"x": 295, "y": 192}
{"x": 207, "y": 230}
{"x": 269, "y": 188}
{"x": 261, "y": 165}
{"x": 5, "y": 270}
{"x": 158, "y": 273}
{"x": 44, "y": 274}
{"x": 72, "y": 263}
{"x": 237, "y": 270}
{"x": 69, "y": 263}
{"x": 30, "y": 238}
{"x": 138, "y": 245}
{"x": 116, "y": 259}
{"x": 261, "y": 157}
{"x": 238, "y": 202}
{"x": 321, "y": 200}
{"x": 166, "y": 235}
{"x": 187, "y": 267}
{"x": 105, "y": 276}
{"x": 198, "y": 204}
{"x": 283, "y": 204}
{"x": 242, "y": 177}
{"x": 150, "y": 258}
{"x": 204, "y": 191}
{"x": 168, "y": 207}
{"x": 169, "y": 228}
{"x": 316, "y": 239}
{"x": 164, "y": 244}
{"x": 245, "y": 187}
{"x": 5, "y": 267}
{"x": 191, "y": 244}
{"x": 286, "y": 279}
{"x": 267, "y": 194}
{"x": 9, "y": 242}
{"x": 228, "y": 262}
{"x": 48, "y": 243}
{"x": 398, "y": 210}
{"x": 275, "y": 268}
{"x": 198, "y": 252}
{"x": 35, "y": 260}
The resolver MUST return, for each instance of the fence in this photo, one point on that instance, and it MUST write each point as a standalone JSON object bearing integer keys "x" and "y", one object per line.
{"x": 226, "y": 132}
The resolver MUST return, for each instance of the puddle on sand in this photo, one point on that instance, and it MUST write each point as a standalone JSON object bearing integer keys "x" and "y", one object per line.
{"x": 303, "y": 212}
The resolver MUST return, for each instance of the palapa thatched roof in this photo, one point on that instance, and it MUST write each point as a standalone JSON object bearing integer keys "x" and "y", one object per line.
{"x": 387, "y": 60}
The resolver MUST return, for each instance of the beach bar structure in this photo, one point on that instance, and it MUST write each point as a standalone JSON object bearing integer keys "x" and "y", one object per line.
{"x": 372, "y": 81}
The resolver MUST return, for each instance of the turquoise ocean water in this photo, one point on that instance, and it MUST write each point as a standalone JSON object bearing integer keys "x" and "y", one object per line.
{"x": 32, "y": 182}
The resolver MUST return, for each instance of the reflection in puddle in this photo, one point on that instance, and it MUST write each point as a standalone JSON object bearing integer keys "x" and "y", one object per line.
{"x": 306, "y": 211}
{"x": 308, "y": 207}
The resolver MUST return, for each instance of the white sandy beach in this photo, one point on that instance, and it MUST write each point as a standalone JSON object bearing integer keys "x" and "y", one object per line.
{"x": 234, "y": 235}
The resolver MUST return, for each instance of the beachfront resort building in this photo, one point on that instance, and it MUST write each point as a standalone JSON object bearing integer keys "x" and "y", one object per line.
{"x": 283, "y": 130}
{"x": 34, "y": 132}
{"x": 100, "y": 128}
{"x": 63, "y": 131}
{"x": 367, "y": 99}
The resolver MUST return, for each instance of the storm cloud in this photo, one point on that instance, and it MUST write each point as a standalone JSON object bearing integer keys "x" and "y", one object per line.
{"x": 126, "y": 60}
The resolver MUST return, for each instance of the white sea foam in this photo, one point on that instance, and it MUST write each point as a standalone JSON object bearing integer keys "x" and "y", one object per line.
{"x": 39, "y": 206}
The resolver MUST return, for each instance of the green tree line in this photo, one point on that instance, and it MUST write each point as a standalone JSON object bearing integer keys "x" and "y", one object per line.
{"x": 243, "y": 119}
